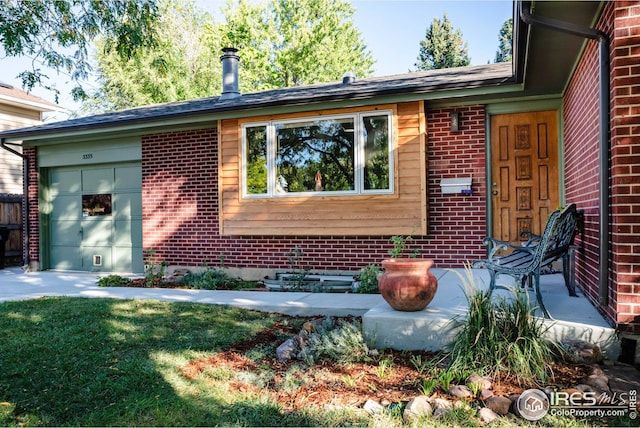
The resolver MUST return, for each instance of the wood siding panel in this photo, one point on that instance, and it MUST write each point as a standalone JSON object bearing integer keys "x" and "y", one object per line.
{"x": 13, "y": 117}
{"x": 403, "y": 212}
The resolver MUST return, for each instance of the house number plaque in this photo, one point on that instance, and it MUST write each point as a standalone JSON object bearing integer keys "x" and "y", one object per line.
{"x": 87, "y": 156}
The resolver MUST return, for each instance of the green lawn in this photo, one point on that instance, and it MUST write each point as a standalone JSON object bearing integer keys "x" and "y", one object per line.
{"x": 102, "y": 362}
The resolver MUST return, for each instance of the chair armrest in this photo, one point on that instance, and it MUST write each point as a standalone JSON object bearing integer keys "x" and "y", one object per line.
{"x": 496, "y": 245}
{"x": 531, "y": 238}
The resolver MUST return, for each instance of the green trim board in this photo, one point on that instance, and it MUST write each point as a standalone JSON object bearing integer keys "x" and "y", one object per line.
{"x": 90, "y": 153}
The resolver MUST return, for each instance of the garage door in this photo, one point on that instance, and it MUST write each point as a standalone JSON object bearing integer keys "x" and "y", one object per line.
{"x": 95, "y": 221}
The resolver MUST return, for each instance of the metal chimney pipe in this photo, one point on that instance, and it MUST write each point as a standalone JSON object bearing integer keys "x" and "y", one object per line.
{"x": 229, "y": 74}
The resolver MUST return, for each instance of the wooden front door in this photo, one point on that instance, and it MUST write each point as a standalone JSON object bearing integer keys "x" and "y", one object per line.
{"x": 524, "y": 183}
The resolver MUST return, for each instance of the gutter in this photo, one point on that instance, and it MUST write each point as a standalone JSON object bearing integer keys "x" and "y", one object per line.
{"x": 604, "y": 132}
{"x": 25, "y": 198}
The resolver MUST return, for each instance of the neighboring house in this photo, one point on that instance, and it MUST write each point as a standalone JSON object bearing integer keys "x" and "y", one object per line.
{"x": 18, "y": 109}
{"x": 332, "y": 171}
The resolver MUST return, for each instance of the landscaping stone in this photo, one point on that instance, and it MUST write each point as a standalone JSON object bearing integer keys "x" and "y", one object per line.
{"x": 499, "y": 404}
{"x": 176, "y": 276}
{"x": 581, "y": 352}
{"x": 419, "y": 406}
{"x": 600, "y": 384}
{"x": 288, "y": 350}
{"x": 484, "y": 381}
{"x": 486, "y": 393}
{"x": 441, "y": 406}
{"x": 460, "y": 391}
{"x": 373, "y": 407}
{"x": 487, "y": 415}
{"x": 441, "y": 403}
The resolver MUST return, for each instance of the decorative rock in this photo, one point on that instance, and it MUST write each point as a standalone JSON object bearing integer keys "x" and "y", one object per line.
{"x": 419, "y": 406}
{"x": 487, "y": 415}
{"x": 313, "y": 326}
{"x": 441, "y": 406}
{"x": 373, "y": 407}
{"x": 439, "y": 412}
{"x": 600, "y": 384}
{"x": 441, "y": 403}
{"x": 584, "y": 388}
{"x": 484, "y": 381}
{"x": 486, "y": 393}
{"x": 460, "y": 391}
{"x": 581, "y": 352}
{"x": 288, "y": 350}
{"x": 498, "y": 404}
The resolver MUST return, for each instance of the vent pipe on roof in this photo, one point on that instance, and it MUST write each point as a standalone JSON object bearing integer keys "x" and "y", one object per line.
{"x": 348, "y": 78}
{"x": 605, "y": 131}
{"x": 230, "y": 62}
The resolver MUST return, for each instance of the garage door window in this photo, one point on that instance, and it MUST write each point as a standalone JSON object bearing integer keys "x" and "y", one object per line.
{"x": 96, "y": 205}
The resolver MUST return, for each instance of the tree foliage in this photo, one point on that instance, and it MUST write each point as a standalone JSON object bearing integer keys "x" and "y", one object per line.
{"x": 181, "y": 65}
{"x": 442, "y": 47}
{"x": 505, "y": 41}
{"x": 58, "y": 33}
{"x": 282, "y": 43}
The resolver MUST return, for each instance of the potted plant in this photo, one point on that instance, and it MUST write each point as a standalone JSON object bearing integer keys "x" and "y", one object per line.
{"x": 407, "y": 284}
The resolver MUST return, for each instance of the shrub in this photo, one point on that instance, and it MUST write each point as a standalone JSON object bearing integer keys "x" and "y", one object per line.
{"x": 342, "y": 343}
{"x": 369, "y": 280}
{"x": 114, "y": 281}
{"x": 501, "y": 336}
{"x": 211, "y": 279}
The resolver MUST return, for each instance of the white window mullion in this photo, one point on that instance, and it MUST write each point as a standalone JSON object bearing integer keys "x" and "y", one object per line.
{"x": 359, "y": 153}
{"x": 271, "y": 160}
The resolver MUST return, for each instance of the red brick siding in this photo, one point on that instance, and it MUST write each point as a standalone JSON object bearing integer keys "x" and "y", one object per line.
{"x": 581, "y": 162}
{"x": 625, "y": 163}
{"x": 181, "y": 211}
{"x": 32, "y": 197}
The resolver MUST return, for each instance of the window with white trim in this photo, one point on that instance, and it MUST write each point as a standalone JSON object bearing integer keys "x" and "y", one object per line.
{"x": 328, "y": 155}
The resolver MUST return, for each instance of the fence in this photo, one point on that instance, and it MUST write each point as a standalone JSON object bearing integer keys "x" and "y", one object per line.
{"x": 11, "y": 218}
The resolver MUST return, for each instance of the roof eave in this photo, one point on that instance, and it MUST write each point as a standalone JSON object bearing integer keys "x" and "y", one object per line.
{"x": 220, "y": 109}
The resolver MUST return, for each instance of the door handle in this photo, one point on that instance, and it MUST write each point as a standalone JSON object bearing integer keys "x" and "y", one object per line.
{"x": 495, "y": 188}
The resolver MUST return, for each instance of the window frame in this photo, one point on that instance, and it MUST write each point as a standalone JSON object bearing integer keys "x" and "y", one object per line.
{"x": 359, "y": 155}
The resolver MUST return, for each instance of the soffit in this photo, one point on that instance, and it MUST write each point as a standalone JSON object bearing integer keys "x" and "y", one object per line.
{"x": 551, "y": 55}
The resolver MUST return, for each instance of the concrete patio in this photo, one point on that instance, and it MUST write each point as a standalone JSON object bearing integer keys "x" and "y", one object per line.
{"x": 574, "y": 317}
{"x": 431, "y": 328}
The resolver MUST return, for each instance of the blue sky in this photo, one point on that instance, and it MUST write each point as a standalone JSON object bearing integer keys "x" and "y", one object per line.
{"x": 391, "y": 29}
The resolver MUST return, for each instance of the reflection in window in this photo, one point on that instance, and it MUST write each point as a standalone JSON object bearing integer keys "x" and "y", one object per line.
{"x": 316, "y": 155}
{"x": 96, "y": 205}
{"x": 256, "y": 156}
{"x": 351, "y": 153}
{"x": 376, "y": 152}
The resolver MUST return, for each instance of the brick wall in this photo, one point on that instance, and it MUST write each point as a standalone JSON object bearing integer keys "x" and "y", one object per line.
{"x": 181, "y": 212}
{"x": 34, "y": 217}
{"x": 581, "y": 163}
{"x": 625, "y": 163}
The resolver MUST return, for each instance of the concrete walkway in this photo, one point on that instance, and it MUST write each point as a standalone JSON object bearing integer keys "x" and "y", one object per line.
{"x": 574, "y": 317}
{"x": 18, "y": 285}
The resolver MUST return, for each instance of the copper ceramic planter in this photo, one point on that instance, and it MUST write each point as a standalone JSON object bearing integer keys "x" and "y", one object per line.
{"x": 407, "y": 284}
